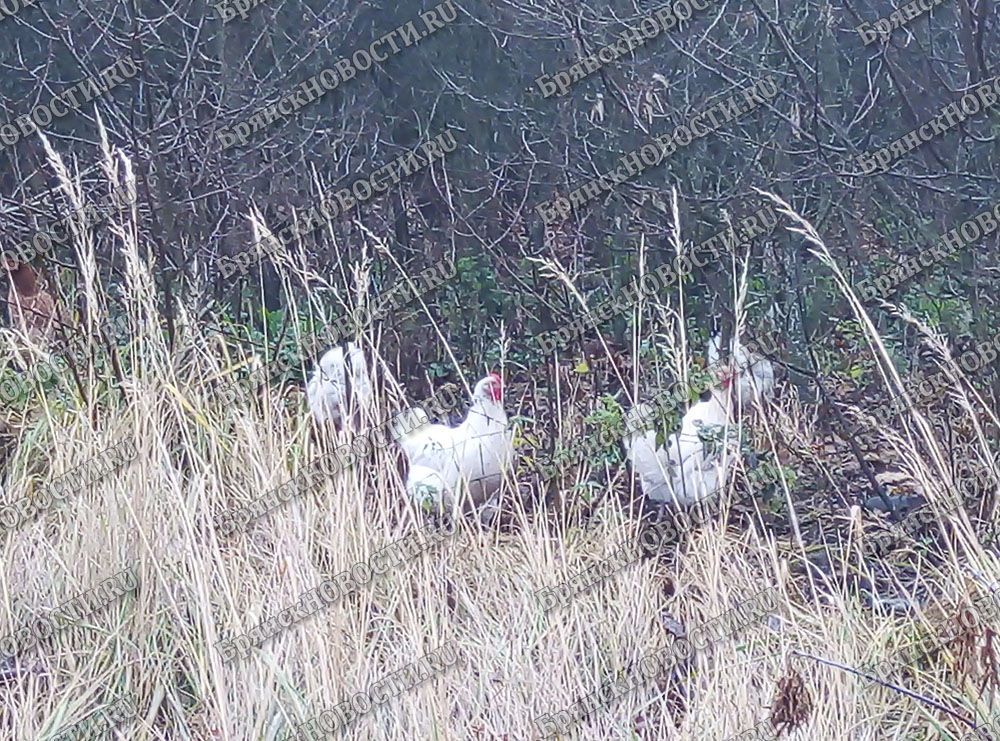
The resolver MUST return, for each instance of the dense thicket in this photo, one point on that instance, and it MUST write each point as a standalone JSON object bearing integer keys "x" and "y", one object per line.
{"x": 837, "y": 98}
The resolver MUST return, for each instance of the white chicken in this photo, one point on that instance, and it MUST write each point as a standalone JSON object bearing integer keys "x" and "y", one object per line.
{"x": 428, "y": 490}
{"x": 694, "y": 463}
{"x": 339, "y": 386}
{"x": 756, "y": 372}
{"x": 696, "y": 459}
{"x": 425, "y": 486}
{"x": 471, "y": 458}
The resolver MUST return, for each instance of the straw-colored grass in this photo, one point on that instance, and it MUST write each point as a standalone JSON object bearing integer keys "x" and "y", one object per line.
{"x": 198, "y": 456}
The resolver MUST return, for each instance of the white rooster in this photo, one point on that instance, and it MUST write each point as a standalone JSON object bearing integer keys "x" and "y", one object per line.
{"x": 756, "y": 372}
{"x": 471, "y": 458}
{"x": 339, "y": 386}
{"x": 694, "y": 463}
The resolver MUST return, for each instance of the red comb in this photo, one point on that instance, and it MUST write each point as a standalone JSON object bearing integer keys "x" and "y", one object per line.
{"x": 496, "y": 392}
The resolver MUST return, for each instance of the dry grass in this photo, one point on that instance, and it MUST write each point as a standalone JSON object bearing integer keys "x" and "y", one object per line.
{"x": 197, "y": 457}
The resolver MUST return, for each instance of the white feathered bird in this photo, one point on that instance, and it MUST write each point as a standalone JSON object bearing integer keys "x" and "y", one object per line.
{"x": 694, "y": 462}
{"x": 428, "y": 489}
{"x": 339, "y": 386}
{"x": 756, "y": 372}
{"x": 472, "y": 457}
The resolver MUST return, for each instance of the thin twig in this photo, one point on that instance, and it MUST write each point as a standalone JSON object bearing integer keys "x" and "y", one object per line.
{"x": 964, "y": 718}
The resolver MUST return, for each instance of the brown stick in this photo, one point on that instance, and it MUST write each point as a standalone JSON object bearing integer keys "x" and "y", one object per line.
{"x": 964, "y": 718}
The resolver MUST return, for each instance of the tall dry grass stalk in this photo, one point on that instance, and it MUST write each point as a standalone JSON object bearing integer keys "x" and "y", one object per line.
{"x": 197, "y": 456}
